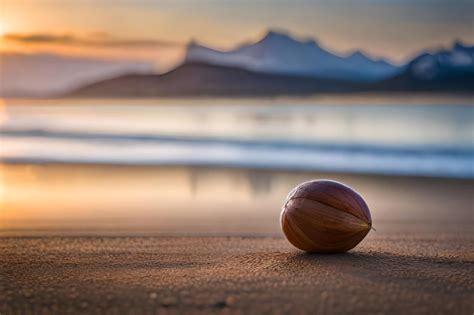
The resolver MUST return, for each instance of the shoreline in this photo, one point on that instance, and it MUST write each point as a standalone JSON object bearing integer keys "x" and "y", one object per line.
{"x": 356, "y": 98}
{"x": 107, "y": 165}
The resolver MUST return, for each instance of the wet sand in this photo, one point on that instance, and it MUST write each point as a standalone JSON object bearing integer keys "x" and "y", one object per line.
{"x": 133, "y": 240}
{"x": 86, "y": 199}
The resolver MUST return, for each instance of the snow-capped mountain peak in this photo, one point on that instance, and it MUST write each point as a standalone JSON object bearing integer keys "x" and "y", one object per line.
{"x": 282, "y": 38}
{"x": 428, "y": 66}
{"x": 276, "y": 36}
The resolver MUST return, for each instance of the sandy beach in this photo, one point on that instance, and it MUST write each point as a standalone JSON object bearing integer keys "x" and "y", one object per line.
{"x": 387, "y": 274}
{"x": 147, "y": 240}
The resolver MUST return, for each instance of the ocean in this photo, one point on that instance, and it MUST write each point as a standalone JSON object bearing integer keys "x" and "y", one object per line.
{"x": 416, "y": 139}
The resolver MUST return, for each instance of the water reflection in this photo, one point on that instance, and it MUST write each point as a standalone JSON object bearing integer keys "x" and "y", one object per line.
{"x": 257, "y": 183}
{"x": 79, "y": 198}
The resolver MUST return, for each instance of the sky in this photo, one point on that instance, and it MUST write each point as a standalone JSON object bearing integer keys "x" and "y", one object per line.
{"x": 158, "y": 30}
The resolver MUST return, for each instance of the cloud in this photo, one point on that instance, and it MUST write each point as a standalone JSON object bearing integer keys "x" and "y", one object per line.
{"x": 94, "y": 39}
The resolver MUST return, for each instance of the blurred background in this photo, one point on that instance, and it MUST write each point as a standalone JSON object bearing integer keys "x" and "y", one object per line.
{"x": 198, "y": 117}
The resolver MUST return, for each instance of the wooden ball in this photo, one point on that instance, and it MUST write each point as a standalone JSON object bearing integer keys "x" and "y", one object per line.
{"x": 324, "y": 216}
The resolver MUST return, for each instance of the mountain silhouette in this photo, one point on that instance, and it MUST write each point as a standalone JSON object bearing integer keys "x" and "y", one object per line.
{"x": 442, "y": 70}
{"x": 201, "y": 79}
{"x": 278, "y": 64}
{"x": 278, "y": 52}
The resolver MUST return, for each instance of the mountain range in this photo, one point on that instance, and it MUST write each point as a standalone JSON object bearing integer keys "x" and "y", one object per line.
{"x": 280, "y": 64}
{"x": 282, "y": 54}
{"x": 443, "y": 70}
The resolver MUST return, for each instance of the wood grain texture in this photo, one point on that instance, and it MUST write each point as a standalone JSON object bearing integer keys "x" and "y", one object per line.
{"x": 325, "y": 216}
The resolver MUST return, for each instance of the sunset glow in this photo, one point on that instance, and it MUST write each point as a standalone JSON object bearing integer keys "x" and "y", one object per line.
{"x": 2, "y": 28}
{"x": 396, "y": 30}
